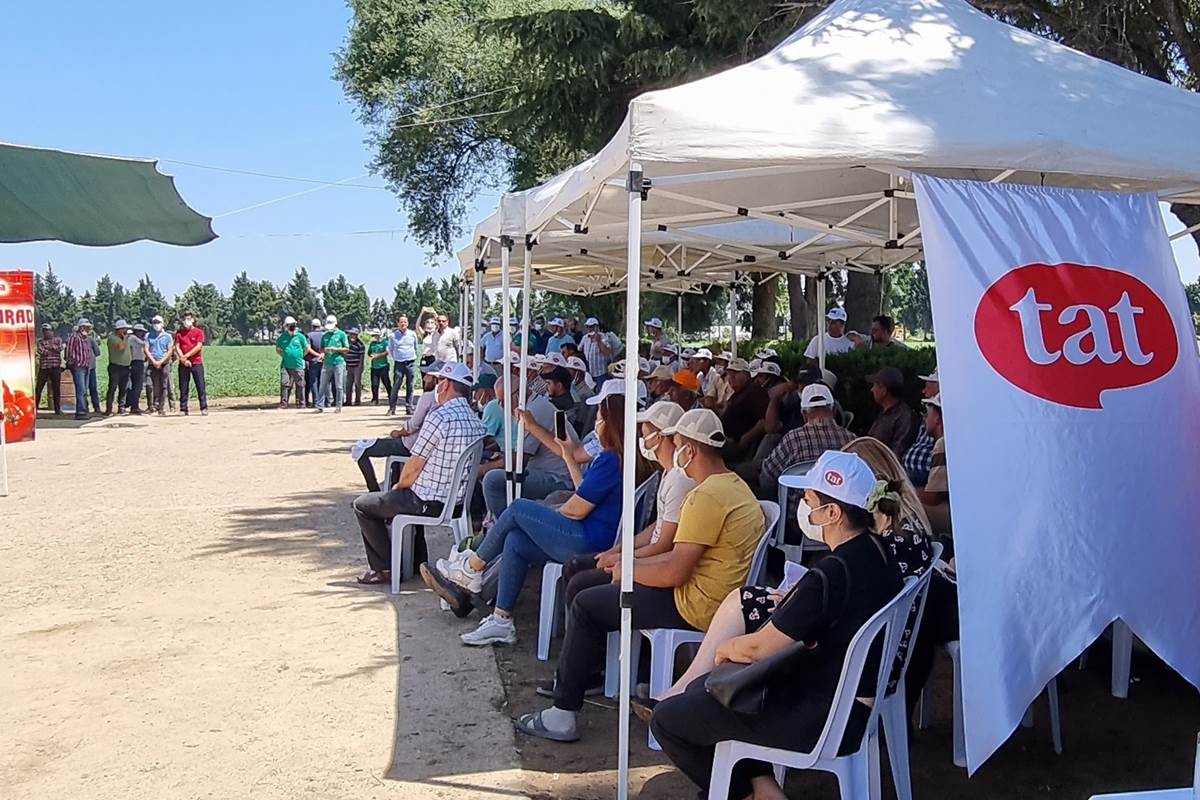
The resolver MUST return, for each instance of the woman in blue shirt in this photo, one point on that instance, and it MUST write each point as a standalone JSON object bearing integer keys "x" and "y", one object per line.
{"x": 528, "y": 532}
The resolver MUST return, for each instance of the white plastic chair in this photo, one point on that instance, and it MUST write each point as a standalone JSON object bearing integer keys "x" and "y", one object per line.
{"x": 857, "y": 773}
{"x": 552, "y": 570}
{"x": 664, "y": 642}
{"x": 460, "y": 526}
{"x": 894, "y": 714}
{"x": 466, "y": 470}
{"x": 1186, "y": 793}
{"x": 795, "y": 470}
{"x": 1122, "y": 658}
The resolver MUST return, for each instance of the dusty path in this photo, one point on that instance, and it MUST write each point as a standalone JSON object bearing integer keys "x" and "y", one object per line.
{"x": 179, "y": 620}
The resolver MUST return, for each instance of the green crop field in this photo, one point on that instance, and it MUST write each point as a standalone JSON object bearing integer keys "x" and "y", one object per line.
{"x": 229, "y": 371}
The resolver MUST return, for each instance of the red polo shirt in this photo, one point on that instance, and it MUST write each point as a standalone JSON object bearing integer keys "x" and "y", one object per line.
{"x": 185, "y": 340}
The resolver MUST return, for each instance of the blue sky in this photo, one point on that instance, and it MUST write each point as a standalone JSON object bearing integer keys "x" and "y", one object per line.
{"x": 244, "y": 85}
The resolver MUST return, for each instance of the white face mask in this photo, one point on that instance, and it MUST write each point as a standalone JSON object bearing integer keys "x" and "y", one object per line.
{"x": 811, "y": 529}
{"x": 537, "y": 326}
{"x": 157, "y": 327}
{"x": 648, "y": 453}
{"x": 187, "y": 323}
{"x": 678, "y": 460}
{"x": 495, "y": 328}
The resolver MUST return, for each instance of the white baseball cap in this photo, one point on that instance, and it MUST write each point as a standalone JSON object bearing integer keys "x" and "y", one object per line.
{"x": 661, "y": 373}
{"x": 517, "y": 360}
{"x": 755, "y": 363}
{"x": 537, "y": 361}
{"x": 699, "y": 425}
{"x": 725, "y": 356}
{"x": 837, "y": 474}
{"x": 654, "y": 322}
{"x": 554, "y": 358}
{"x": 669, "y": 347}
{"x": 737, "y": 365}
{"x": 591, "y": 321}
{"x": 316, "y": 323}
{"x": 766, "y": 352}
{"x": 769, "y": 368}
{"x": 688, "y": 352}
{"x": 936, "y": 400}
{"x": 644, "y": 365}
{"x": 611, "y": 386}
{"x": 330, "y": 322}
{"x": 286, "y": 321}
{"x": 836, "y": 313}
{"x": 931, "y": 377}
{"x": 156, "y": 318}
{"x": 703, "y": 352}
{"x": 558, "y": 321}
{"x": 120, "y": 325}
{"x": 458, "y": 372}
{"x": 816, "y": 395}
{"x": 494, "y": 321}
{"x": 662, "y": 414}
{"x": 576, "y": 363}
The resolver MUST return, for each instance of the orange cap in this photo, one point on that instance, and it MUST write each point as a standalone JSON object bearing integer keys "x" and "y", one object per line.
{"x": 687, "y": 379}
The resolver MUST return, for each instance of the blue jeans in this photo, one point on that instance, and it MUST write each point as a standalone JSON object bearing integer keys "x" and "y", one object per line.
{"x": 80, "y": 376}
{"x": 93, "y": 386}
{"x": 402, "y": 371}
{"x": 335, "y": 373}
{"x": 537, "y": 486}
{"x": 526, "y": 533}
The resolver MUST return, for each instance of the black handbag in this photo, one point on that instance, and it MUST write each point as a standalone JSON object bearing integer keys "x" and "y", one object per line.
{"x": 744, "y": 687}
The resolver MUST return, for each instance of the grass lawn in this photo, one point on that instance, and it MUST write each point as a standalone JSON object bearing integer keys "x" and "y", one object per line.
{"x": 229, "y": 370}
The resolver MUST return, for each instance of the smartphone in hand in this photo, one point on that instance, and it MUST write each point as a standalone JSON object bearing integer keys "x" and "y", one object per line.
{"x": 560, "y": 425}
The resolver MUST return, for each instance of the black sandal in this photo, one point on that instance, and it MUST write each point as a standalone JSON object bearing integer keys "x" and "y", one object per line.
{"x": 373, "y": 578}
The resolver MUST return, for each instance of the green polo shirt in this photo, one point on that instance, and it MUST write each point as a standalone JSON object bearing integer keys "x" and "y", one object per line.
{"x": 120, "y": 358}
{"x": 374, "y": 348}
{"x": 334, "y": 338}
{"x": 293, "y": 346}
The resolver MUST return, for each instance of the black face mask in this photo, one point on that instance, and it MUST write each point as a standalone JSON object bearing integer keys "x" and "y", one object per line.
{"x": 291, "y": 328}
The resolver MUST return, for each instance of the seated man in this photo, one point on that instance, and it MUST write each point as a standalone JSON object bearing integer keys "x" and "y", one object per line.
{"x": 399, "y": 442}
{"x": 819, "y": 433}
{"x": 685, "y": 390}
{"x": 896, "y": 425}
{"x": 935, "y": 495}
{"x": 917, "y": 458}
{"x": 545, "y": 470}
{"x": 658, "y": 383}
{"x": 427, "y": 478}
{"x": 720, "y": 525}
{"x": 747, "y": 405}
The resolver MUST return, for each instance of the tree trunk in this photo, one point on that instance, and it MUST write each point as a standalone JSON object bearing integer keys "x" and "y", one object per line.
{"x": 863, "y": 295}
{"x": 810, "y": 304}
{"x": 764, "y": 308}
{"x": 797, "y": 308}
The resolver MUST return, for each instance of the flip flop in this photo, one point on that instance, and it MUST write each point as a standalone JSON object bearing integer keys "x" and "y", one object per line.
{"x": 532, "y": 725}
{"x": 373, "y": 578}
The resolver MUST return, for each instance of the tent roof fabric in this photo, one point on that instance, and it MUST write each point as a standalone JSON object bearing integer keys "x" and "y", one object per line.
{"x": 91, "y": 200}
{"x": 823, "y": 132}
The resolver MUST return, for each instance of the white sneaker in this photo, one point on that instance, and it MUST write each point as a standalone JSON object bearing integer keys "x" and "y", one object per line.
{"x": 493, "y": 630}
{"x": 460, "y": 572}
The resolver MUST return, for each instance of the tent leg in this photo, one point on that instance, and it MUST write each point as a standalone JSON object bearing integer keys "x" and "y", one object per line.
{"x": 506, "y": 244}
{"x": 733, "y": 316}
{"x": 632, "y": 299}
{"x": 679, "y": 316}
{"x": 821, "y": 320}
{"x": 526, "y": 272}
{"x": 478, "y": 320}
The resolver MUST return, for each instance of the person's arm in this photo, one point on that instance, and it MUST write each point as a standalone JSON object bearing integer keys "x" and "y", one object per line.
{"x": 753, "y": 647}
{"x": 666, "y": 540}
{"x": 191, "y": 353}
{"x": 408, "y": 475}
{"x": 547, "y": 439}
{"x": 666, "y": 570}
{"x": 122, "y": 344}
{"x": 576, "y": 507}
{"x": 421, "y": 318}
{"x": 773, "y": 422}
{"x": 567, "y": 449}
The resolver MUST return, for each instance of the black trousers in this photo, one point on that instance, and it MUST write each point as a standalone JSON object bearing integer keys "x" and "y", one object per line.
{"x": 381, "y": 449}
{"x": 186, "y": 375}
{"x": 312, "y": 379}
{"x": 137, "y": 378}
{"x": 581, "y": 573}
{"x": 690, "y": 725}
{"x": 51, "y": 377}
{"x": 158, "y": 385}
{"x": 379, "y": 376}
{"x": 592, "y": 615}
{"x": 375, "y": 510}
{"x": 118, "y": 384}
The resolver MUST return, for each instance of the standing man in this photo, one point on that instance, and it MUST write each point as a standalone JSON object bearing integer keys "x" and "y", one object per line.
{"x": 377, "y": 357}
{"x": 137, "y": 368}
{"x": 654, "y": 327}
{"x": 882, "y": 328}
{"x": 493, "y": 343}
{"x": 312, "y": 363}
{"x": 597, "y": 351}
{"x": 189, "y": 342}
{"x": 49, "y": 353}
{"x": 558, "y": 336}
{"x": 355, "y": 356}
{"x": 119, "y": 359}
{"x": 402, "y": 347}
{"x": 159, "y": 346}
{"x": 81, "y": 360}
{"x": 836, "y": 340}
{"x": 334, "y": 346}
{"x": 445, "y": 341}
{"x": 541, "y": 336}
{"x": 292, "y": 347}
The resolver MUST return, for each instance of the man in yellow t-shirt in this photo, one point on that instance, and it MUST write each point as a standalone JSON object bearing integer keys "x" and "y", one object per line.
{"x": 720, "y": 525}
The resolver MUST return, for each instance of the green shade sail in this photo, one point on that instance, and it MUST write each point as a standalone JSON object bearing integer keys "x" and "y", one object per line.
{"x": 91, "y": 200}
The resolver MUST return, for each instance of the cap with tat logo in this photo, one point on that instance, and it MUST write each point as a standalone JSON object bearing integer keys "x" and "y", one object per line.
{"x": 836, "y": 314}
{"x": 837, "y": 474}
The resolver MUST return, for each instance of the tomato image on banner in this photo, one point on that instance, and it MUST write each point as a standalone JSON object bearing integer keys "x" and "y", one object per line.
{"x": 16, "y": 355}
{"x": 1068, "y": 333}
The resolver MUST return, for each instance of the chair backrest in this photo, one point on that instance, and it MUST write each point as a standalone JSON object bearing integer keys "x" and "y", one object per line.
{"x": 642, "y": 506}
{"x": 887, "y": 625}
{"x": 758, "y": 564}
{"x": 466, "y": 472}
{"x": 904, "y": 655}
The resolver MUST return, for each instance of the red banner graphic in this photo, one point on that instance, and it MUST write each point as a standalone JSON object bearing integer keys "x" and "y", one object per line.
{"x": 16, "y": 354}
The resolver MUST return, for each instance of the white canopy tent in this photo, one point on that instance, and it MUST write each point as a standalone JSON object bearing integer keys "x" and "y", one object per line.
{"x": 823, "y": 132}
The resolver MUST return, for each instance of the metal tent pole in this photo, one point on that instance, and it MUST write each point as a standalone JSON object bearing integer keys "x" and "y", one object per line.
{"x": 733, "y": 316}
{"x": 821, "y": 321}
{"x": 635, "y": 188}
{"x": 679, "y": 316}
{"x": 527, "y": 271}
{"x": 506, "y": 244}
{"x": 480, "y": 269}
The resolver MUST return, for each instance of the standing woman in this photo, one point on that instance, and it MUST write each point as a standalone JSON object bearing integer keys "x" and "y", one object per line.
{"x": 528, "y": 532}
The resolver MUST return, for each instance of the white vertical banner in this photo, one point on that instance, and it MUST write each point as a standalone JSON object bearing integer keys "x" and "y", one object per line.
{"x": 1070, "y": 383}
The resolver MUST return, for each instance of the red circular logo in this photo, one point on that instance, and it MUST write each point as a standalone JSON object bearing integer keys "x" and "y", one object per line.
{"x": 834, "y": 478}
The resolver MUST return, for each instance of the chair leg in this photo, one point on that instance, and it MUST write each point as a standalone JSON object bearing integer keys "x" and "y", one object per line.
{"x": 550, "y": 580}
{"x": 960, "y": 746}
{"x": 397, "y": 553}
{"x": 722, "y": 772}
{"x": 894, "y": 715}
{"x": 1055, "y": 721}
{"x": 612, "y": 662}
{"x": 874, "y": 770}
{"x": 407, "y": 537}
{"x": 662, "y": 673}
{"x": 925, "y": 709}
{"x": 1122, "y": 649}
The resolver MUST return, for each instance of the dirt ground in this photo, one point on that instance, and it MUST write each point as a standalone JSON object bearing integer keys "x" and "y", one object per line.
{"x": 180, "y": 620}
